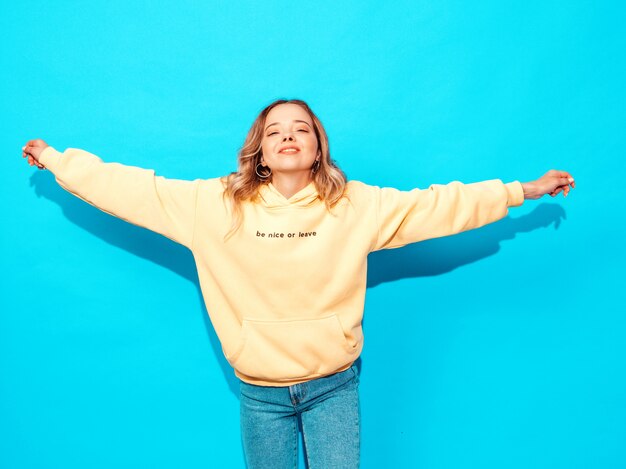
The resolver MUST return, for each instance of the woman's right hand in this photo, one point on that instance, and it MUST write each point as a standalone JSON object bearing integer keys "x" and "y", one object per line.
{"x": 32, "y": 150}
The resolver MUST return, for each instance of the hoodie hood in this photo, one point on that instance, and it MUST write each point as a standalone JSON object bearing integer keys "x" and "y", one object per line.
{"x": 270, "y": 197}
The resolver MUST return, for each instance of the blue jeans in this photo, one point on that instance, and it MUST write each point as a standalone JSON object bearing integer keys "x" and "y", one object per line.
{"x": 328, "y": 409}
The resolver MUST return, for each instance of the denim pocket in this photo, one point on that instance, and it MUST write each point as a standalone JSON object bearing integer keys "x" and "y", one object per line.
{"x": 292, "y": 349}
{"x": 355, "y": 371}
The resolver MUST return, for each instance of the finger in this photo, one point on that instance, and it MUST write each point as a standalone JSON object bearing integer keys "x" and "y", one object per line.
{"x": 563, "y": 174}
{"x": 564, "y": 181}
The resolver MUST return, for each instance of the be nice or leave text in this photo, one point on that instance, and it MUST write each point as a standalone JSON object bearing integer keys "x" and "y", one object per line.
{"x": 275, "y": 234}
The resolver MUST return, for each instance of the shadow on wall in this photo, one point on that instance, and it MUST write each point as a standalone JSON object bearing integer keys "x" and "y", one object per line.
{"x": 441, "y": 255}
{"x": 427, "y": 258}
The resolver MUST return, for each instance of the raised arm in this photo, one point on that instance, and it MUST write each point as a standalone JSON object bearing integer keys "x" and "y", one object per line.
{"x": 136, "y": 195}
{"x": 409, "y": 216}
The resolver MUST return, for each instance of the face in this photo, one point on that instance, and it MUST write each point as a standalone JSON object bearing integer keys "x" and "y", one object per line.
{"x": 289, "y": 144}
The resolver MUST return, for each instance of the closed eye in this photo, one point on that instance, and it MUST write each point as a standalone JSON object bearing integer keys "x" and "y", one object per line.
{"x": 299, "y": 130}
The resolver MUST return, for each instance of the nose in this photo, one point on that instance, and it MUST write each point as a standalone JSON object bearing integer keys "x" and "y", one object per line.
{"x": 288, "y": 137}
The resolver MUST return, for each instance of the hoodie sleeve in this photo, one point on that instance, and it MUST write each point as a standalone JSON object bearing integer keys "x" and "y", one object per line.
{"x": 409, "y": 216}
{"x": 136, "y": 195}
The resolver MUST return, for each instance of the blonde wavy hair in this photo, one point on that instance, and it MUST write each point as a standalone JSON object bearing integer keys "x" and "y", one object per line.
{"x": 243, "y": 184}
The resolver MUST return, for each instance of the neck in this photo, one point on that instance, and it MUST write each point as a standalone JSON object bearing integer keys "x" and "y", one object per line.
{"x": 290, "y": 184}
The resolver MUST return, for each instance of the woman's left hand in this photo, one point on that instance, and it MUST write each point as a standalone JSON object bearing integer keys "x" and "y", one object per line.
{"x": 551, "y": 183}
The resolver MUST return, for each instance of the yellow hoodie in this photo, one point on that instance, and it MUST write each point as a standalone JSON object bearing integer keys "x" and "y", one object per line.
{"x": 286, "y": 292}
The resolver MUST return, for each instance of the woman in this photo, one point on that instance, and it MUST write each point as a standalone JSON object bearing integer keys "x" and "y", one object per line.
{"x": 281, "y": 247}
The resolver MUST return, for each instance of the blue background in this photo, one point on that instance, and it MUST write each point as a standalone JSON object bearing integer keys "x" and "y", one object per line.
{"x": 499, "y": 347}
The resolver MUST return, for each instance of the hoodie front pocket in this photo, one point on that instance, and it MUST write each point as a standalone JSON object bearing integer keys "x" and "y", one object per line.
{"x": 287, "y": 350}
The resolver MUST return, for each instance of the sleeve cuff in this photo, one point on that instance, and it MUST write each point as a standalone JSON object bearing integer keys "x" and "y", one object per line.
{"x": 515, "y": 193}
{"x": 50, "y": 157}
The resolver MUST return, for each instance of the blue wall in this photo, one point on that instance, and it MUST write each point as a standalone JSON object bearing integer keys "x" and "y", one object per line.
{"x": 499, "y": 347}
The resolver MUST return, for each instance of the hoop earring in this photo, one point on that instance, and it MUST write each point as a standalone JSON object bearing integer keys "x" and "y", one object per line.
{"x": 262, "y": 176}
{"x": 316, "y": 166}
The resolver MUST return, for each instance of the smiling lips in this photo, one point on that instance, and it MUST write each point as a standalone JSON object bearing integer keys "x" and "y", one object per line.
{"x": 289, "y": 150}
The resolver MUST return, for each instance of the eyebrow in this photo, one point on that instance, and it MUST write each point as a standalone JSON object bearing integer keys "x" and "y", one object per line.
{"x": 297, "y": 120}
